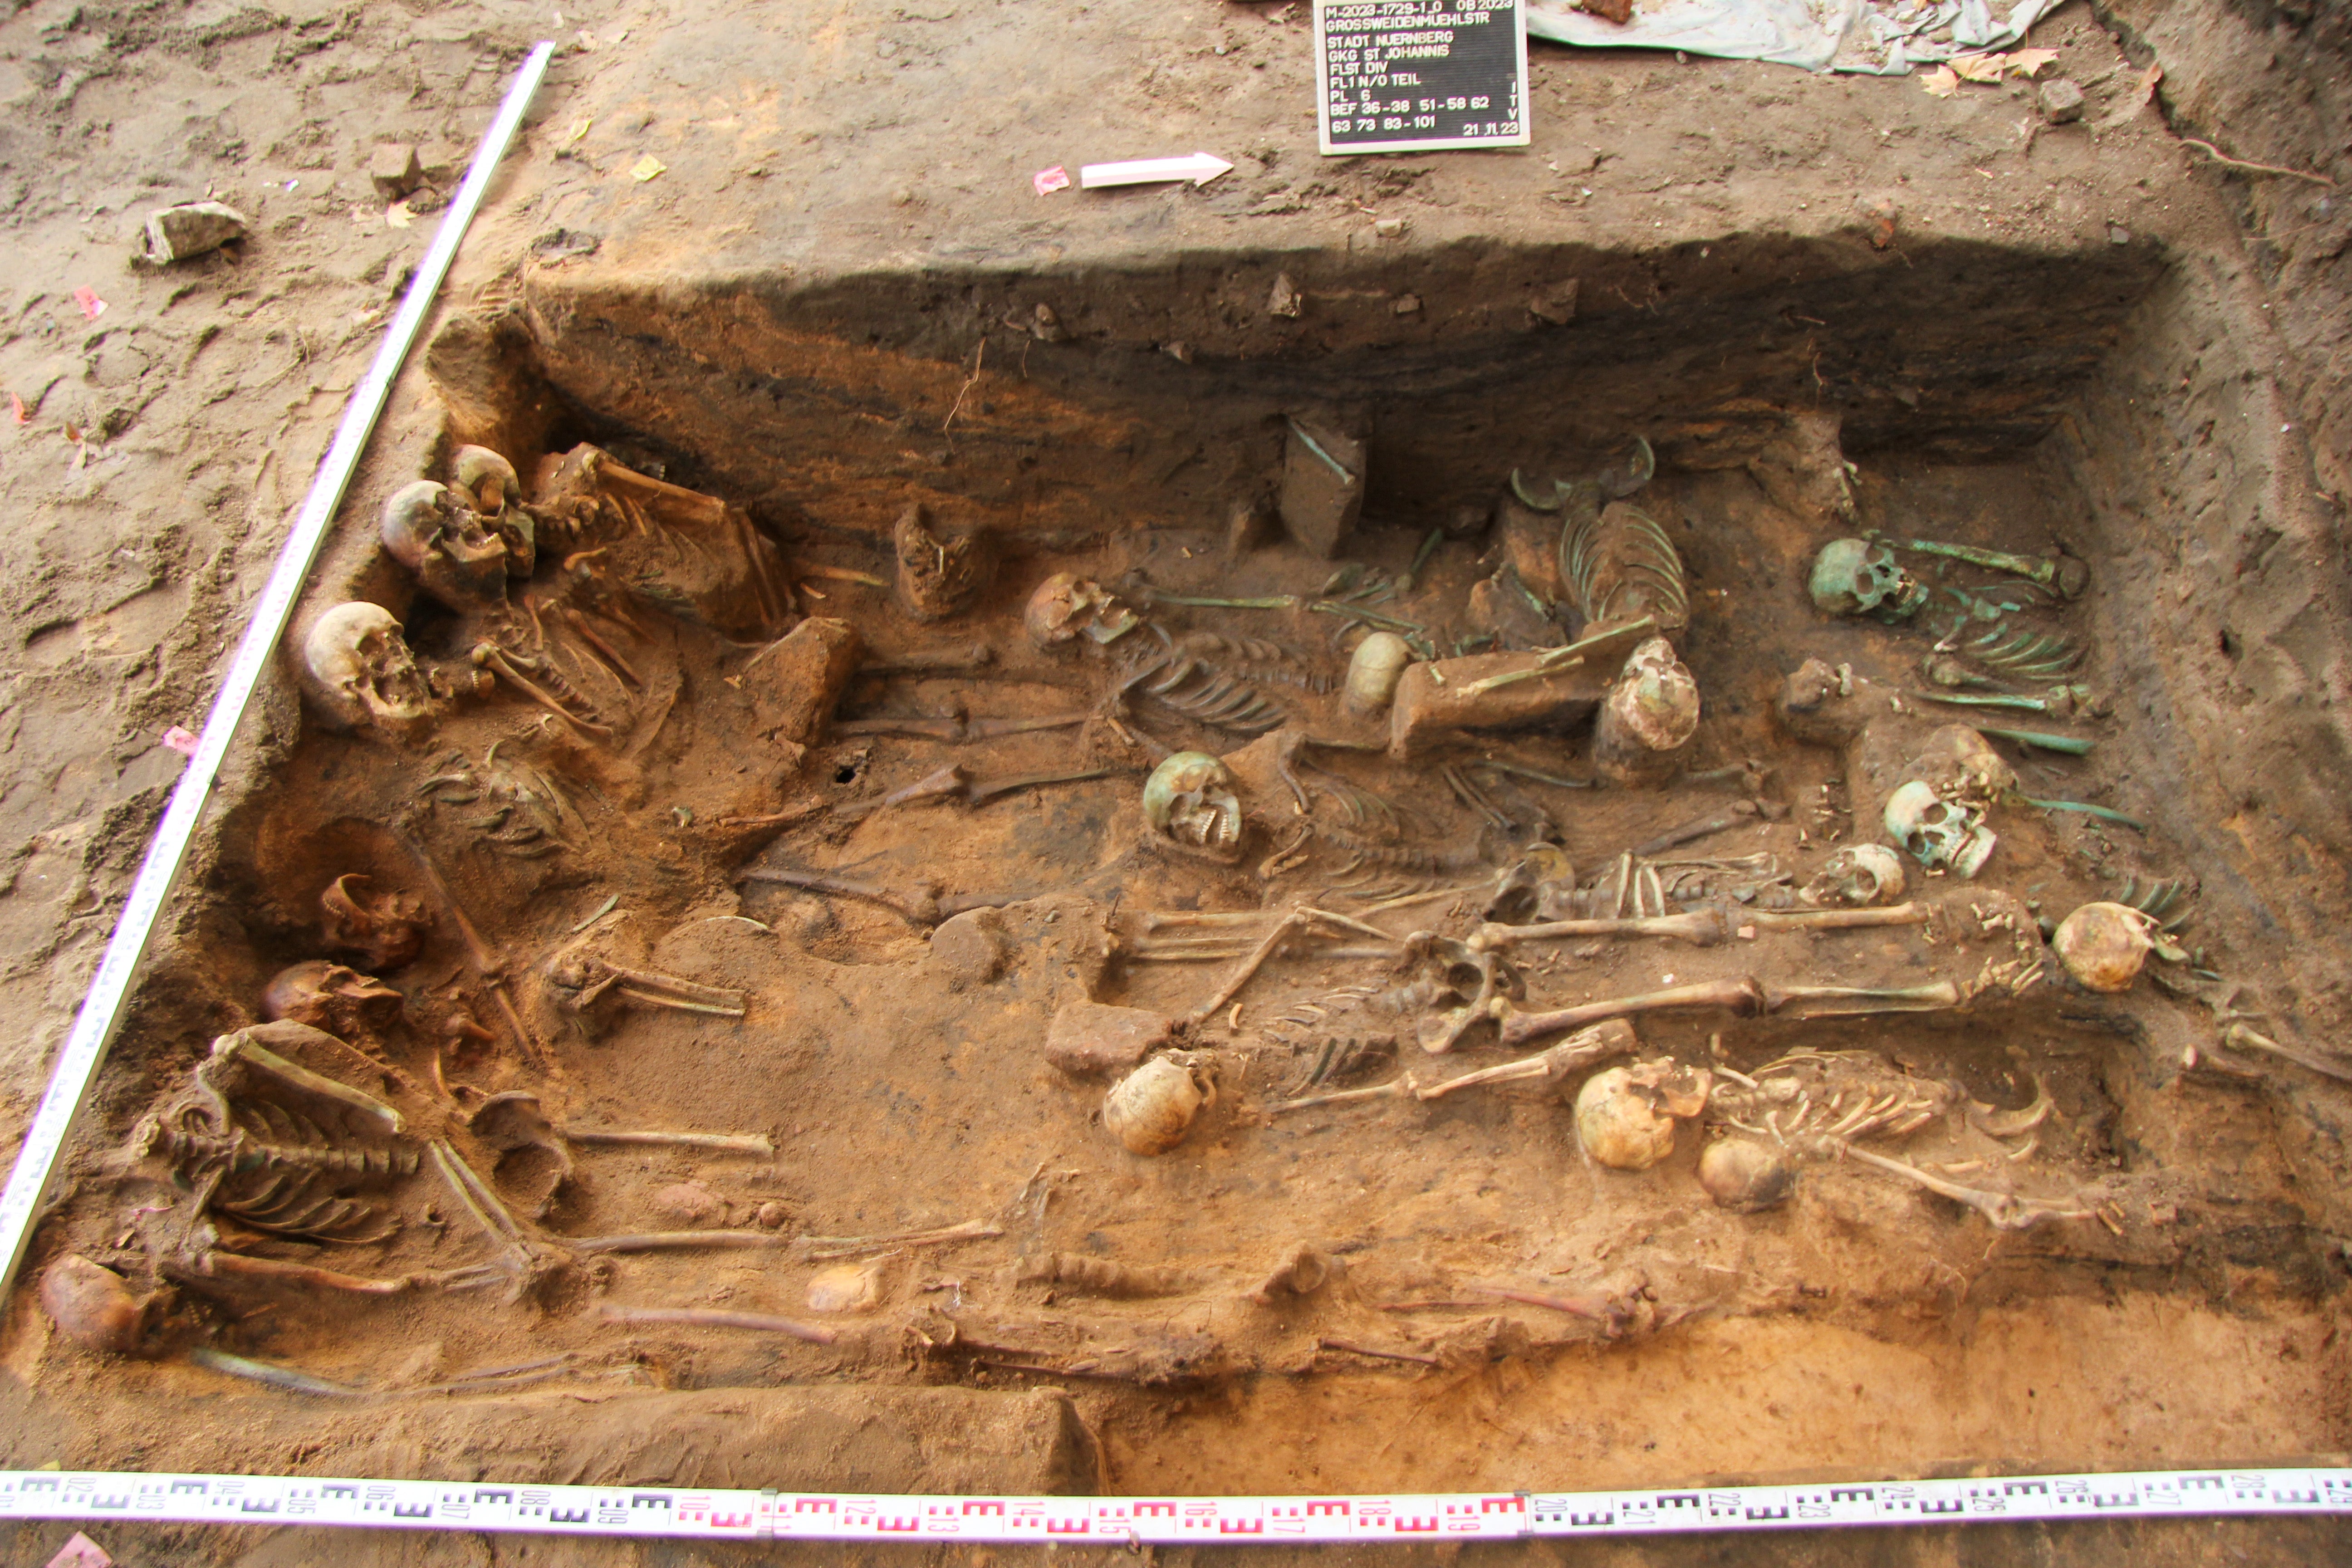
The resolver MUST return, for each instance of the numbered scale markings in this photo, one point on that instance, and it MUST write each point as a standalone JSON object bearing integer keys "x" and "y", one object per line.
{"x": 709, "y": 1514}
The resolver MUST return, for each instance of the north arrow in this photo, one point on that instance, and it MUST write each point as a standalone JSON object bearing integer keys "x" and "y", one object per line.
{"x": 1200, "y": 168}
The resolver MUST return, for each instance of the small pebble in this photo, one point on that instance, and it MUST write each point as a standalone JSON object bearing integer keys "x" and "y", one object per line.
{"x": 773, "y": 1215}
{"x": 2062, "y": 101}
{"x": 687, "y": 1204}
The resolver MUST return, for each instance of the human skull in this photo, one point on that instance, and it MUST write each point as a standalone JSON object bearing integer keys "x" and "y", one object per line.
{"x": 1861, "y": 874}
{"x": 361, "y": 668}
{"x": 1067, "y": 606}
{"x": 387, "y": 932}
{"x": 1855, "y": 577}
{"x": 2103, "y": 945}
{"x": 456, "y": 556}
{"x": 1189, "y": 801}
{"x": 1656, "y": 696}
{"x": 1937, "y": 832}
{"x": 487, "y": 482}
{"x": 1625, "y": 1116}
{"x": 1373, "y": 671}
{"x": 488, "y": 479}
{"x": 329, "y": 996}
{"x": 1151, "y": 1109}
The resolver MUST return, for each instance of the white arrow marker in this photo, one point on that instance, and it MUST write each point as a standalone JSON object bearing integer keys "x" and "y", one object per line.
{"x": 1200, "y": 168}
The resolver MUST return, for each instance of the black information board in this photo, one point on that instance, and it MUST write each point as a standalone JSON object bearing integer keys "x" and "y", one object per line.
{"x": 1413, "y": 75}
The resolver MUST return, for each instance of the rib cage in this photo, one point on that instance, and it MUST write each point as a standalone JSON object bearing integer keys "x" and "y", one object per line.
{"x": 1201, "y": 692}
{"x": 267, "y": 1170}
{"x": 1621, "y": 566}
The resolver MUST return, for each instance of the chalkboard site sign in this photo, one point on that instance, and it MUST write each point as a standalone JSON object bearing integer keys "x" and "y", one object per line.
{"x": 1415, "y": 75}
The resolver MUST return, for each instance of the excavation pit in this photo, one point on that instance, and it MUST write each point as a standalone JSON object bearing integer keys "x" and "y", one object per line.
{"x": 684, "y": 786}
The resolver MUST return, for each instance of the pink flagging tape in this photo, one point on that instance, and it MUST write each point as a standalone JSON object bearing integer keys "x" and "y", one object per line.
{"x": 693, "y": 1513}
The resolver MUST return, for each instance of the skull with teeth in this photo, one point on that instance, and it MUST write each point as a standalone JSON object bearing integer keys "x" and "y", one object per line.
{"x": 1939, "y": 833}
{"x": 1189, "y": 801}
{"x": 361, "y": 669}
{"x": 1861, "y": 874}
{"x": 1066, "y": 607}
{"x": 487, "y": 482}
{"x": 1856, "y": 577}
{"x": 329, "y": 996}
{"x": 456, "y": 556}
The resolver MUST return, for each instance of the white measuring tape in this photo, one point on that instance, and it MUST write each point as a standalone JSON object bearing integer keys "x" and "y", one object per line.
{"x": 94, "y": 1026}
{"x": 695, "y": 1513}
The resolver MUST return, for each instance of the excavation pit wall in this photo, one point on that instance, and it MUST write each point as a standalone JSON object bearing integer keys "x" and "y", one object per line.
{"x": 2091, "y": 400}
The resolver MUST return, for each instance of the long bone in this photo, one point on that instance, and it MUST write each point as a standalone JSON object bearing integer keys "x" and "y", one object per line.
{"x": 522, "y": 1253}
{"x": 2006, "y": 1211}
{"x": 821, "y": 1247}
{"x": 1739, "y": 814}
{"x": 957, "y": 728}
{"x": 2063, "y": 573}
{"x": 488, "y": 967}
{"x": 924, "y": 908}
{"x": 1614, "y": 1038}
{"x": 1296, "y": 920}
{"x": 1742, "y": 995}
{"x": 654, "y": 495}
{"x": 1835, "y": 919}
{"x": 1702, "y": 928}
{"x": 490, "y": 655}
{"x": 725, "y": 1142}
{"x": 241, "y": 1047}
{"x": 653, "y": 989}
{"x": 1610, "y": 1313}
{"x": 1847, "y": 1001}
{"x": 706, "y": 1317}
{"x": 1747, "y": 996}
{"x": 952, "y": 782}
{"x": 579, "y": 622}
{"x": 216, "y": 1264}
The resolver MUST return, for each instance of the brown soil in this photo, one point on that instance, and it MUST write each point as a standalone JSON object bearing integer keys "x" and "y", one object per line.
{"x": 839, "y": 301}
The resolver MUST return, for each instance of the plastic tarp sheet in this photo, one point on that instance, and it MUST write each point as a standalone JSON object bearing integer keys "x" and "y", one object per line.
{"x": 1879, "y": 37}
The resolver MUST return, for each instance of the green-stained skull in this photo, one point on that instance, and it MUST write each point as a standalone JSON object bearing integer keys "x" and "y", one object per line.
{"x": 1189, "y": 801}
{"x": 1855, "y": 577}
